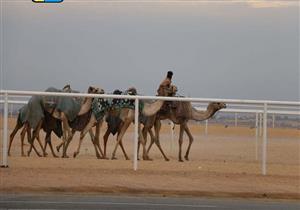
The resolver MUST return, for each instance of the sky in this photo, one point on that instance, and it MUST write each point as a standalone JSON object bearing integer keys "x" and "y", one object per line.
{"x": 216, "y": 49}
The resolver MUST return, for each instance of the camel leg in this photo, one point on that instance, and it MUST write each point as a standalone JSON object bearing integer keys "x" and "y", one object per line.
{"x": 59, "y": 146}
{"x": 123, "y": 150}
{"x": 35, "y": 134}
{"x": 66, "y": 134}
{"x": 23, "y": 132}
{"x": 93, "y": 139}
{"x": 40, "y": 143}
{"x": 96, "y": 140}
{"x": 157, "y": 127}
{"x": 144, "y": 133}
{"x": 157, "y": 144}
{"x": 105, "y": 139}
{"x": 180, "y": 142}
{"x": 191, "y": 139}
{"x": 48, "y": 141}
{"x": 121, "y": 144}
{"x": 119, "y": 138}
{"x": 142, "y": 140}
{"x": 79, "y": 145}
{"x": 87, "y": 128}
{"x": 12, "y": 135}
{"x": 68, "y": 140}
{"x": 28, "y": 131}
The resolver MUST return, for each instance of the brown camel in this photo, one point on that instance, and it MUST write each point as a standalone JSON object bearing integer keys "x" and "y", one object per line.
{"x": 49, "y": 124}
{"x": 84, "y": 124}
{"x": 25, "y": 129}
{"x": 127, "y": 116}
{"x": 180, "y": 113}
{"x": 60, "y": 115}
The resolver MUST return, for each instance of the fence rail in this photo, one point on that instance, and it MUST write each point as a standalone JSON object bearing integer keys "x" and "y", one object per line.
{"x": 262, "y": 103}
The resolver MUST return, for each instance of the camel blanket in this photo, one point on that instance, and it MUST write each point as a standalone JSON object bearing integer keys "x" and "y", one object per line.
{"x": 80, "y": 122}
{"x": 68, "y": 105}
{"x": 99, "y": 108}
{"x": 52, "y": 124}
{"x": 49, "y": 124}
{"x": 33, "y": 112}
{"x": 113, "y": 123}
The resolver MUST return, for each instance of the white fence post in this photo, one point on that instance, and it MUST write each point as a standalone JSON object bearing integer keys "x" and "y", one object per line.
{"x": 260, "y": 124}
{"x": 264, "y": 149}
{"x": 256, "y": 136}
{"x": 235, "y": 119}
{"x": 4, "y": 141}
{"x": 273, "y": 120}
{"x": 11, "y": 110}
{"x": 206, "y": 127}
{"x": 136, "y": 134}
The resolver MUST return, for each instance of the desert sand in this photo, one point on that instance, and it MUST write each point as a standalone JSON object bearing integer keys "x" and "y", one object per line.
{"x": 222, "y": 164}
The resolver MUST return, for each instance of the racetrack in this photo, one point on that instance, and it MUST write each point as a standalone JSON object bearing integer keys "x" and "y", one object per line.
{"x": 221, "y": 164}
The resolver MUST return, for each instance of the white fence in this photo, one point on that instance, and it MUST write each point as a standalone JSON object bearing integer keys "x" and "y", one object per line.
{"x": 262, "y": 103}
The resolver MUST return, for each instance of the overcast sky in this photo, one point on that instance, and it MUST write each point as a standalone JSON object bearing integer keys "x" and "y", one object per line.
{"x": 216, "y": 49}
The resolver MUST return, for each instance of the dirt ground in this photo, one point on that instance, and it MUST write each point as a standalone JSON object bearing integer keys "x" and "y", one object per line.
{"x": 221, "y": 164}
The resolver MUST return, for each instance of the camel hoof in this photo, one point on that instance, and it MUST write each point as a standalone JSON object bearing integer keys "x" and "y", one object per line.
{"x": 167, "y": 159}
{"x": 65, "y": 156}
{"x": 55, "y": 156}
{"x": 147, "y": 158}
{"x": 113, "y": 158}
{"x": 180, "y": 160}
{"x": 75, "y": 154}
{"x": 186, "y": 158}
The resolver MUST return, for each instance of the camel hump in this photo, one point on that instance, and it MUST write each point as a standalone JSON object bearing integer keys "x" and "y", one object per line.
{"x": 182, "y": 109}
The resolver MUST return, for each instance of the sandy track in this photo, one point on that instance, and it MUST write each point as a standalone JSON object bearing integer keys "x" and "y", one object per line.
{"x": 222, "y": 164}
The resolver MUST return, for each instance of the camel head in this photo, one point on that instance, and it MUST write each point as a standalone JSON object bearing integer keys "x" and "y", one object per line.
{"x": 216, "y": 106}
{"x": 131, "y": 91}
{"x": 170, "y": 91}
{"x": 94, "y": 90}
{"x": 67, "y": 88}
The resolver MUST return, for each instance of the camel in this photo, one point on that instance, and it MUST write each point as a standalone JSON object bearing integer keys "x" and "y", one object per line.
{"x": 86, "y": 123}
{"x": 25, "y": 129}
{"x": 127, "y": 116}
{"x": 180, "y": 113}
{"x": 48, "y": 126}
{"x": 96, "y": 119}
{"x": 115, "y": 113}
{"x": 114, "y": 124}
{"x": 61, "y": 115}
{"x": 94, "y": 137}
